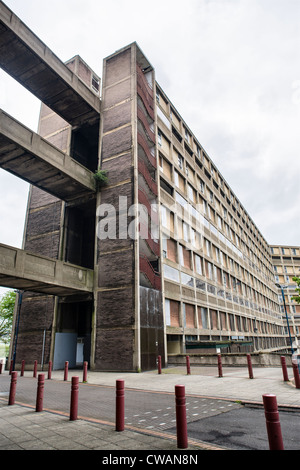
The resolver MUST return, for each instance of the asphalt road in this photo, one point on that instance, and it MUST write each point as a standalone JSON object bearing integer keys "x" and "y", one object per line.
{"x": 245, "y": 429}
{"x": 216, "y": 421}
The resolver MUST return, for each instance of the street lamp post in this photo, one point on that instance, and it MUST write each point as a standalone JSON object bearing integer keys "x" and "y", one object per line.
{"x": 286, "y": 315}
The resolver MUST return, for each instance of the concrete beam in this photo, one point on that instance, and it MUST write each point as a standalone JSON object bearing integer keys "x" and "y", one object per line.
{"x": 22, "y": 270}
{"x": 29, "y": 61}
{"x": 32, "y": 158}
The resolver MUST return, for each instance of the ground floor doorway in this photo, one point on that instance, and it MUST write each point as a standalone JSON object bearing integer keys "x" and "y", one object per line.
{"x": 73, "y": 334}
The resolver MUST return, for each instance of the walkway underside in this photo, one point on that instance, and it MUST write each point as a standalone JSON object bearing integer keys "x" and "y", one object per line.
{"x": 29, "y": 61}
{"x": 30, "y": 157}
{"x": 27, "y": 271}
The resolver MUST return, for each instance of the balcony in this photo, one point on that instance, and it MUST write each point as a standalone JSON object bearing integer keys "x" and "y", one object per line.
{"x": 144, "y": 150}
{"x": 149, "y": 132}
{"x": 150, "y": 276}
{"x": 147, "y": 237}
{"x": 145, "y": 92}
{"x": 151, "y": 183}
{"x": 151, "y": 208}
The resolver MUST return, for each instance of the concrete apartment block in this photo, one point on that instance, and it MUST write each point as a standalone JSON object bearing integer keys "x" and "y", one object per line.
{"x": 162, "y": 260}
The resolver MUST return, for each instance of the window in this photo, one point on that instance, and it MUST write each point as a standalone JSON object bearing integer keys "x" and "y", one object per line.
{"x": 191, "y": 193}
{"x": 217, "y": 254}
{"x": 169, "y": 249}
{"x": 193, "y": 237}
{"x": 186, "y": 135}
{"x": 208, "y": 248}
{"x": 159, "y": 138}
{"x": 167, "y": 312}
{"x": 201, "y": 185}
{"x": 204, "y": 318}
{"x": 187, "y": 280}
{"x": 200, "y": 284}
{"x": 210, "y": 271}
{"x": 172, "y": 312}
{"x": 211, "y": 289}
{"x": 188, "y": 313}
{"x": 176, "y": 179}
{"x": 185, "y": 232}
{"x": 184, "y": 257}
{"x": 95, "y": 83}
{"x": 180, "y": 161}
{"x": 171, "y": 273}
{"x": 198, "y": 264}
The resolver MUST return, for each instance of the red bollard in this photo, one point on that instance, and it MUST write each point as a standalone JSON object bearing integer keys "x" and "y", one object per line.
{"x": 13, "y": 387}
{"x": 74, "y": 398}
{"x": 272, "y": 422}
{"x": 296, "y": 375}
{"x": 49, "y": 370}
{"x": 188, "y": 366}
{"x": 40, "y": 393}
{"x": 284, "y": 369}
{"x": 220, "y": 366}
{"x": 85, "y": 367}
{"x": 181, "y": 424}
{"x": 159, "y": 364}
{"x": 249, "y": 366}
{"x": 22, "y": 368}
{"x": 66, "y": 370}
{"x": 34, "y": 368}
{"x": 120, "y": 405}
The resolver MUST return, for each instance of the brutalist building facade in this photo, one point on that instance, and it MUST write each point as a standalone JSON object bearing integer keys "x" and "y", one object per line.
{"x": 134, "y": 246}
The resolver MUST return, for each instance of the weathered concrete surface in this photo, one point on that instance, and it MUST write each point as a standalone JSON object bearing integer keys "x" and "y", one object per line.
{"x": 29, "y": 61}
{"x": 30, "y": 157}
{"x": 22, "y": 270}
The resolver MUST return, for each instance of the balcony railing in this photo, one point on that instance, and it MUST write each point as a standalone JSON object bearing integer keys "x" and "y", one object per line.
{"x": 143, "y": 170}
{"x": 151, "y": 242}
{"x": 143, "y": 199}
{"x": 144, "y": 81}
{"x": 143, "y": 143}
{"x": 146, "y": 93}
{"x": 147, "y": 269}
{"x": 148, "y": 130}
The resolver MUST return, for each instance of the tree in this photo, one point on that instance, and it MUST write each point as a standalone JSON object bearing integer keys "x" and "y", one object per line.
{"x": 7, "y": 304}
{"x": 297, "y": 297}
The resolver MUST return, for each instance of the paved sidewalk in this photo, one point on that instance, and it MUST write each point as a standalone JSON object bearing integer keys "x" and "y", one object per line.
{"x": 21, "y": 428}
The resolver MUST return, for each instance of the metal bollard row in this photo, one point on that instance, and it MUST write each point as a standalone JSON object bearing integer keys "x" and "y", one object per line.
{"x": 269, "y": 401}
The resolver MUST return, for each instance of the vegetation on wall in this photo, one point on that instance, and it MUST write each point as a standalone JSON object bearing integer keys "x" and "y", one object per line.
{"x": 101, "y": 178}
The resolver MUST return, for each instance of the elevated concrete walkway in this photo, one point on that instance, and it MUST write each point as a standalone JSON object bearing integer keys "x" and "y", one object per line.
{"x": 32, "y": 158}
{"x": 22, "y": 270}
{"x": 29, "y": 61}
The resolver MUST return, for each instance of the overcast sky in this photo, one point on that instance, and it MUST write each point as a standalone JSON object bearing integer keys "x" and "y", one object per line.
{"x": 230, "y": 67}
